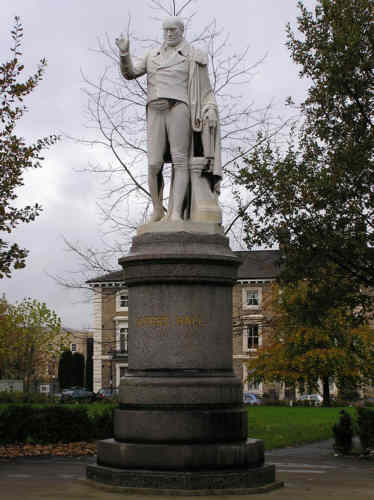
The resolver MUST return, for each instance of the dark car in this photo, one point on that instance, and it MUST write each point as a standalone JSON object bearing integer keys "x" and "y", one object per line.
{"x": 106, "y": 393}
{"x": 77, "y": 396}
{"x": 67, "y": 391}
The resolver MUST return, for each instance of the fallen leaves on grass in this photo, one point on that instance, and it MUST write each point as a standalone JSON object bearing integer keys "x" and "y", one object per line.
{"x": 60, "y": 450}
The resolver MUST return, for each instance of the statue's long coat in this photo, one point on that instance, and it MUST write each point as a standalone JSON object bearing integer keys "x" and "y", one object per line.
{"x": 200, "y": 94}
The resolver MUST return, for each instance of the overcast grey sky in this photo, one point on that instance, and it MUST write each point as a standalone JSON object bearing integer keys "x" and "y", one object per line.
{"x": 65, "y": 34}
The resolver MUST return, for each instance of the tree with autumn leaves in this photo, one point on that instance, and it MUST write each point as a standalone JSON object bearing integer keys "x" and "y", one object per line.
{"x": 16, "y": 156}
{"x": 31, "y": 340}
{"x": 315, "y": 334}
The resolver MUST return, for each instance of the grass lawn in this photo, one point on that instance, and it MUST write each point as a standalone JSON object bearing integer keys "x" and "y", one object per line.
{"x": 281, "y": 426}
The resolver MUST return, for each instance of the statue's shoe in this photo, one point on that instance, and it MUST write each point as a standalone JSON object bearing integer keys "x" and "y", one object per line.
{"x": 175, "y": 218}
{"x": 155, "y": 217}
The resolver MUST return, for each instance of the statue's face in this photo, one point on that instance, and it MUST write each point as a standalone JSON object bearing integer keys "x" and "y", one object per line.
{"x": 173, "y": 33}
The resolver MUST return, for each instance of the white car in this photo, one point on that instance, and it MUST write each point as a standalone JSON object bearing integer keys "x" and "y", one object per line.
{"x": 315, "y": 399}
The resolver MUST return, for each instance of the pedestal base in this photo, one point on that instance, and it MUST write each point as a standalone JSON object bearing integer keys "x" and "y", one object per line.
{"x": 197, "y": 483}
{"x": 181, "y": 426}
{"x": 181, "y": 457}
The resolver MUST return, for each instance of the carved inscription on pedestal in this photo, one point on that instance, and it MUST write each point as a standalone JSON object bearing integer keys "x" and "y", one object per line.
{"x": 152, "y": 321}
{"x": 181, "y": 321}
{"x": 189, "y": 321}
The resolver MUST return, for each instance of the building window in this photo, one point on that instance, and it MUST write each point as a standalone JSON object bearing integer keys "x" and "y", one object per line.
{"x": 122, "y": 371}
{"x": 122, "y": 300}
{"x": 44, "y": 388}
{"x": 73, "y": 347}
{"x": 123, "y": 337}
{"x": 252, "y": 336}
{"x": 252, "y": 298}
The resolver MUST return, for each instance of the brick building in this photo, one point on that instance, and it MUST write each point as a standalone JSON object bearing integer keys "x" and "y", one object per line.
{"x": 77, "y": 340}
{"x": 110, "y": 334}
{"x": 252, "y": 297}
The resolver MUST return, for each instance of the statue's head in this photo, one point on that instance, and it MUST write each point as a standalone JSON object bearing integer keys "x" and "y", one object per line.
{"x": 173, "y": 30}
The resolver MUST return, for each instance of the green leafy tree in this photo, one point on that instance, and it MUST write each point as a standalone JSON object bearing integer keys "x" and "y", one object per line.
{"x": 315, "y": 196}
{"x": 16, "y": 157}
{"x": 31, "y": 340}
{"x": 65, "y": 369}
{"x": 78, "y": 369}
{"x": 316, "y": 335}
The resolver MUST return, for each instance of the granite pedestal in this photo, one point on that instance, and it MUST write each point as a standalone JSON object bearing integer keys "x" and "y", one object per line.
{"x": 181, "y": 424}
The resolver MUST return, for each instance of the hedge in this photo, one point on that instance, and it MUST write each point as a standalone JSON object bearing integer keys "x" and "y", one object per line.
{"x": 53, "y": 424}
{"x": 365, "y": 422}
{"x": 18, "y": 397}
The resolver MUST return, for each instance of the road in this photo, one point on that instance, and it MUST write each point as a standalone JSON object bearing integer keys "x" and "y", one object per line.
{"x": 309, "y": 472}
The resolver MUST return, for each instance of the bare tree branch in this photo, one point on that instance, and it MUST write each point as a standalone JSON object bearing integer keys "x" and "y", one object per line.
{"x": 179, "y": 11}
{"x": 156, "y": 5}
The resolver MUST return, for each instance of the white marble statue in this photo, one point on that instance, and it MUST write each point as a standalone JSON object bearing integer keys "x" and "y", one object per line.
{"x": 182, "y": 126}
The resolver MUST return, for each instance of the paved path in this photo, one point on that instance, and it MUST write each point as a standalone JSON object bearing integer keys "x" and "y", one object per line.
{"x": 309, "y": 472}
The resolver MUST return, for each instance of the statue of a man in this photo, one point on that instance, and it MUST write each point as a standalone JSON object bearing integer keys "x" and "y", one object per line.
{"x": 182, "y": 117}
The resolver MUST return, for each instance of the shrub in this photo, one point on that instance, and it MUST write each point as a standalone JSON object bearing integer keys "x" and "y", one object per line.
{"x": 338, "y": 403}
{"x": 103, "y": 425}
{"x": 365, "y": 423}
{"x": 275, "y": 402}
{"x": 343, "y": 433}
{"x": 52, "y": 424}
{"x": 25, "y": 397}
{"x": 306, "y": 404}
{"x": 13, "y": 424}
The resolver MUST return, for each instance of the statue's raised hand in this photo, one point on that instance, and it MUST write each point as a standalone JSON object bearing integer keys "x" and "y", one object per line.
{"x": 123, "y": 44}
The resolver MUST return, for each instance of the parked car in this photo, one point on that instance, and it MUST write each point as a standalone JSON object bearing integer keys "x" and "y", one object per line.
{"x": 252, "y": 399}
{"x": 313, "y": 399}
{"x": 77, "y": 396}
{"x": 67, "y": 391}
{"x": 106, "y": 393}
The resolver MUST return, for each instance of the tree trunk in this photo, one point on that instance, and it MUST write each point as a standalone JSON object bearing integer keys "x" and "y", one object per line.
{"x": 29, "y": 369}
{"x": 326, "y": 391}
